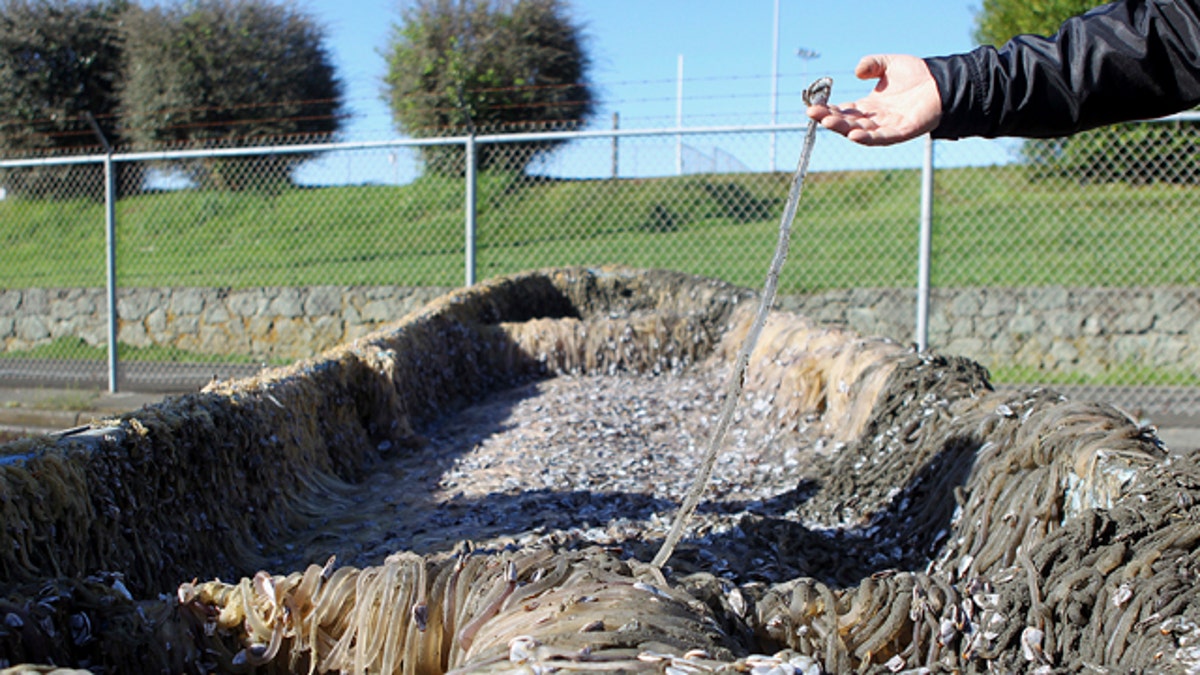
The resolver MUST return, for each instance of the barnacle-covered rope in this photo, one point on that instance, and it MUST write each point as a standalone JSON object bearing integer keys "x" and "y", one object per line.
{"x": 568, "y": 611}
{"x": 816, "y": 94}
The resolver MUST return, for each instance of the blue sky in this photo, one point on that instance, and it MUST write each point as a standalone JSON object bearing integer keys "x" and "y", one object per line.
{"x": 726, "y": 45}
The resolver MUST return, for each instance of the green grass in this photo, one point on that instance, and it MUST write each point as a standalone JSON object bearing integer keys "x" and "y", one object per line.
{"x": 1117, "y": 375}
{"x": 723, "y": 226}
{"x": 77, "y": 349}
{"x": 993, "y": 227}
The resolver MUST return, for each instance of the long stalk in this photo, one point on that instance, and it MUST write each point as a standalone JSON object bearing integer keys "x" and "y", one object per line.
{"x": 817, "y": 92}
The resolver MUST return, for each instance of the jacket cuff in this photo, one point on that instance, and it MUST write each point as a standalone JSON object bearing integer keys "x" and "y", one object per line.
{"x": 965, "y": 96}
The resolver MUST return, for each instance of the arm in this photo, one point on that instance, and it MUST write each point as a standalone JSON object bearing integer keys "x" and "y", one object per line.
{"x": 1124, "y": 61}
{"x": 1127, "y": 60}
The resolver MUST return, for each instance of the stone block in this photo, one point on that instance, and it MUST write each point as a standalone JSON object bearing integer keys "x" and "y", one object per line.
{"x": 998, "y": 303}
{"x": 133, "y": 333}
{"x": 323, "y": 301}
{"x": 186, "y": 325}
{"x": 1064, "y": 324}
{"x": 156, "y": 321}
{"x": 260, "y": 328}
{"x": 32, "y": 328}
{"x": 293, "y": 338}
{"x": 247, "y": 303}
{"x": 9, "y": 301}
{"x": 215, "y": 313}
{"x": 328, "y": 332}
{"x": 1135, "y": 319}
{"x": 34, "y": 302}
{"x": 1094, "y": 325}
{"x": 861, "y": 320}
{"x": 1062, "y": 354}
{"x": 967, "y": 302}
{"x": 355, "y": 331}
{"x": 95, "y": 333}
{"x": 1025, "y": 324}
{"x": 288, "y": 303}
{"x": 135, "y": 304}
{"x": 188, "y": 301}
{"x": 381, "y": 311}
{"x": 972, "y": 348}
{"x": 68, "y": 327}
{"x": 1049, "y": 298}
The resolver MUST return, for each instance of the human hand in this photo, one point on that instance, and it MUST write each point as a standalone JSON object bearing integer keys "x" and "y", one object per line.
{"x": 904, "y": 104}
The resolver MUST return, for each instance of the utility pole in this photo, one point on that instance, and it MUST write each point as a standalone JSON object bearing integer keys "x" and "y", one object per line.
{"x": 679, "y": 118}
{"x": 774, "y": 81}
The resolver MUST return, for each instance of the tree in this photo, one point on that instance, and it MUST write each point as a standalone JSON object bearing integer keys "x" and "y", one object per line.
{"x": 1135, "y": 153}
{"x": 487, "y": 66}
{"x": 1001, "y": 20}
{"x": 59, "y": 62}
{"x": 220, "y": 73}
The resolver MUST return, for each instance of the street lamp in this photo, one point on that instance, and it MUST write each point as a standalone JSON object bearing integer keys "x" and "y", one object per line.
{"x": 806, "y": 55}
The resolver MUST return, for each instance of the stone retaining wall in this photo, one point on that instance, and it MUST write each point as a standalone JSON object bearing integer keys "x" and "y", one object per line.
{"x": 1051, "y": 328}
{"x": 268, "y": 323}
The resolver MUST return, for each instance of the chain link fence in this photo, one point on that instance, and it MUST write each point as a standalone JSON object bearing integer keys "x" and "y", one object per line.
{"x": 1069, "y": 263}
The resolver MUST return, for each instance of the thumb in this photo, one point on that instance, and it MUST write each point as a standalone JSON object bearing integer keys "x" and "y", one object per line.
{"x": 871, "y": 67}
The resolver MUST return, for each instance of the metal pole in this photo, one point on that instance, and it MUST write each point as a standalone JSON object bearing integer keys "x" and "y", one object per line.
{"x": 470, "y": 209}
{"x": 925, "y": 246}
{"x": 615, "y": 142}
{"x": 110, "y": 242}
{"x": 679, "y": 118}
{"x": 110, "y": 246}
{"x": 775, "y": 81}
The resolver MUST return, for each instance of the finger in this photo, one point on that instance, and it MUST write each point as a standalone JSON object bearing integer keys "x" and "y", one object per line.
{"x": 818, "y": 112}
{"x": 837, "y": 124}
{"x": 871, "y": 67}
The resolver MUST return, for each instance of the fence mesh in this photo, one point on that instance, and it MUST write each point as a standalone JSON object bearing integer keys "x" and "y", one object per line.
{"x": 1069, "y": 263}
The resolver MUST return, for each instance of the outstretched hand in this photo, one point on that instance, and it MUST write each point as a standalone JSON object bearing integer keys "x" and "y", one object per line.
{"x": 904, "y": 104}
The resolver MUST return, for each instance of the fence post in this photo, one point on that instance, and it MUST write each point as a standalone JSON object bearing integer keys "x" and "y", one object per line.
{"x": 924, "y": 246}
{"x": 110, "y": 246}
{"x": 615, "y": 146}
{"x": 110, "y": 243}
{"x": 469, "y": 207}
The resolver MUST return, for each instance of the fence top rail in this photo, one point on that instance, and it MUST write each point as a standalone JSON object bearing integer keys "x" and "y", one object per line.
{"x": 304, "y": 148}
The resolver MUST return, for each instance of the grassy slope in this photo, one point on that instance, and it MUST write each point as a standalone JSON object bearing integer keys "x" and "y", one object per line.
{"x": 858, "y": 229}
{"x": 722, "y": 226}
{"x": 855, "y": 229}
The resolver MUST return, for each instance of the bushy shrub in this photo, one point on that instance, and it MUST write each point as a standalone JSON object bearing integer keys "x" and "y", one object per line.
{"x": 59, "y": 62}
{"x": 487, "y": 66}
{"x": 222, "y": 73}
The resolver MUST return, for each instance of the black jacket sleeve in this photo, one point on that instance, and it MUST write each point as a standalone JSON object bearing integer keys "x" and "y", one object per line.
{"x": 1124, "y": 61}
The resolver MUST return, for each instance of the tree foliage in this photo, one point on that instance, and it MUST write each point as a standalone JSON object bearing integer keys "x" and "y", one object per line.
{"x": 1135, "y": 153}
{"x": 488, "y": 66}
{"x": 59, "y": 61}
{"x": 217, "y": 73}
{"x": 1001, "y": 20}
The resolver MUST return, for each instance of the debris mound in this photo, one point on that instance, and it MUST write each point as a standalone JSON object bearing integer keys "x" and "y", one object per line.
{"x": 943, "y": 525}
